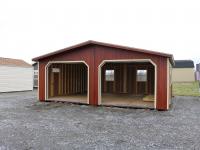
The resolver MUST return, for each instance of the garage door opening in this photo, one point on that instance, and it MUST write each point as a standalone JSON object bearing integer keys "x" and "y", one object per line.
{"x": 129, "y": 84}
{"x": 67, "y": 82}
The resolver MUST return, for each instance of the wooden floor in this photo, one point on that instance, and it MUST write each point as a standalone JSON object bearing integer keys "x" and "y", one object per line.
{"x": 108, "y": 100}
{"x": 77, "y": 98}
{"x": 126, "y": 101}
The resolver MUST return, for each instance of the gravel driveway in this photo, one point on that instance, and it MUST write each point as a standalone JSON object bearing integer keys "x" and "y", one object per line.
{"x": 26, "y": 123}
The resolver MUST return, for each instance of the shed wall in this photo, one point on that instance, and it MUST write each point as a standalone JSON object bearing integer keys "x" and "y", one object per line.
{"x": 15, "y": 79}
{"x": 183, "y": 75}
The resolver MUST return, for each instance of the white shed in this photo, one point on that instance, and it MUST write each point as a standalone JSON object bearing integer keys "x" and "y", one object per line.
{"x": 15, "y": 75}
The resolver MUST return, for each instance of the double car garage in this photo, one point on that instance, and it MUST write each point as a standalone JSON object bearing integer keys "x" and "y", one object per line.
{"x": 104, "y": 74}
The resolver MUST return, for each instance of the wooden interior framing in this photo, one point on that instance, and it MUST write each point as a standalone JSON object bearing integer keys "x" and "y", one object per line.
{"x": 71, "y": 79}
{"x": 125, "y": 79}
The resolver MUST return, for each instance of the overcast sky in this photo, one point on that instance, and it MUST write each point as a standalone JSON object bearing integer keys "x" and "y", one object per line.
{"x": 32, "y": 28}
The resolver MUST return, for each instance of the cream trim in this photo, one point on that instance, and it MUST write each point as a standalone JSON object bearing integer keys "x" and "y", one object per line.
{"x": 168, "y": 83}
{"x": 66, "y": 62}
{"x": 127, "y": 60}
{"x": 38, "y": 80}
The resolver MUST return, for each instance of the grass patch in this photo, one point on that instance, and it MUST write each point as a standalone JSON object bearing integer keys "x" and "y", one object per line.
{"x": 186, "y": 89}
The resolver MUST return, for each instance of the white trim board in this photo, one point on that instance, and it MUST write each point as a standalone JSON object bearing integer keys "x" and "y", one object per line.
{"x": 38, "y": 95}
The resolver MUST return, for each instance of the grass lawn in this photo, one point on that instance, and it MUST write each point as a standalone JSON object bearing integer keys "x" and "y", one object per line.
{"x": 186, "y": 89}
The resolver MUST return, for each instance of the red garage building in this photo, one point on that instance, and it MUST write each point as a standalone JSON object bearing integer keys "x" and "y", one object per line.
{"x": 99, "y": 73}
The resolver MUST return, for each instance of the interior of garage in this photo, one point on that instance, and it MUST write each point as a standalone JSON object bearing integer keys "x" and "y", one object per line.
{"x": 68, "y": 82}
{"x": 128, "y": 84}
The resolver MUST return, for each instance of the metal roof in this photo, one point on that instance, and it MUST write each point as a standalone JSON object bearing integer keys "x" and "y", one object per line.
{"x": 90, "y": 42}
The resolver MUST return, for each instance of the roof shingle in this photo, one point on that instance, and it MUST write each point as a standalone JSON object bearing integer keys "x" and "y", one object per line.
{"x": 13, "y": 62}
{"x": 184, "y": 64}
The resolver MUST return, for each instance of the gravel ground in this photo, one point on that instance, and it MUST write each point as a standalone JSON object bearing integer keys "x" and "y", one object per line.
{"x": 26, "y": 123}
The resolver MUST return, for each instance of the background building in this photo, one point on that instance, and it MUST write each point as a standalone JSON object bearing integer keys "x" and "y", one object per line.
{"x": 15, "y": 75}
{"x": 197, "y": 73}
{"x": 183, "y": 71}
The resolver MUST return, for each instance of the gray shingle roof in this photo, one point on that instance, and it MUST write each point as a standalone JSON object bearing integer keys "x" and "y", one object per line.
{"x": 184, "y": 64}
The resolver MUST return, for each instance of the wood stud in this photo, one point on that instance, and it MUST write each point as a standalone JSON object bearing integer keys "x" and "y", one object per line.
{"x": 125, "y": 78}
{"x": 72, "y": 79}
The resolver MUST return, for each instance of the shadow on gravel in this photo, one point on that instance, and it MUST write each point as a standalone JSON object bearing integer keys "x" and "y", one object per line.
{"x": 45, "y": 105}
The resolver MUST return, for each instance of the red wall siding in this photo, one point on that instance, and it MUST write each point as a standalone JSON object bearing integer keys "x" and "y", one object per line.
{"x": 42, "y": 81}
{"x": 162, "y": 84}
{"x": 93, "y": 55}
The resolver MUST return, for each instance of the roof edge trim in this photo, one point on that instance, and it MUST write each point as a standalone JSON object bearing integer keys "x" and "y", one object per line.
{"x": 107, "y": 45}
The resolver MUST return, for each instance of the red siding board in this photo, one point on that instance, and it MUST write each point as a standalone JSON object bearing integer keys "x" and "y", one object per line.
{"x": 162, "y": 84}
{"x": 93, "y": 55}
{"x": 42, "y": 81}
